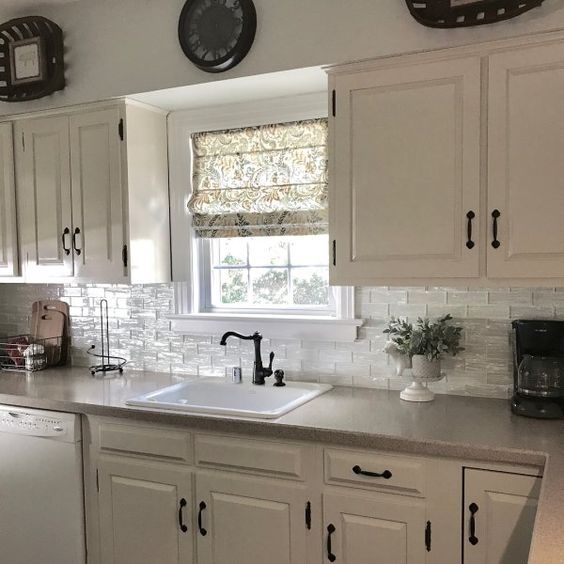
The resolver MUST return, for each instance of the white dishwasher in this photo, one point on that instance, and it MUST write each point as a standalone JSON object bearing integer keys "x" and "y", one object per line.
{"x": 41, "y": 487}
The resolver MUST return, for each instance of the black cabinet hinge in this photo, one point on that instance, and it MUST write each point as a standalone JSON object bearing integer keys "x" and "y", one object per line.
{"x": 428, "y": 536}
{"x": 334, "y": 102}
{"x": 334, "y": 252}
{"x": 124, "y": 256}
{"x": 97, "y": 481}
{"x": 308, "y": 515}
{"x": 120, "y": 129}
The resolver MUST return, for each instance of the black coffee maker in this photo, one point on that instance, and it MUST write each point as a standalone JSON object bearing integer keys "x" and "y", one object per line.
{"x": 538, "y": 369}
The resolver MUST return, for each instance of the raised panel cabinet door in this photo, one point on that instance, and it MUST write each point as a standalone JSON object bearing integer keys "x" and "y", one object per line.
{"x": 8, "y": 235}
{"x": 249, "y": 521}
{"x": 499, "y": 513}
{"x": 97, "y": 196}
{"x": 526, "y": 168}
{"x": 143, "y": 507}
{"x": 405, "y": 182}
{"x": 44, "y": 197}
{"x": 367, "y": 529}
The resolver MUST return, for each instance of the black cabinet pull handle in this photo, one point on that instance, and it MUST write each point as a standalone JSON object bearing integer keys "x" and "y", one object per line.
{"x": 202, "y": 506}
{"x": 330, "y": 530}
{"x": 74, "y": 235}
{"x": 386, "y": 474}
{"x": 63, "y": 238}
{"x": 496, "y": 214}
{"x": 469, "y": 243}
{"x": 183, "y": 504}
{"x": 473, "y": 539}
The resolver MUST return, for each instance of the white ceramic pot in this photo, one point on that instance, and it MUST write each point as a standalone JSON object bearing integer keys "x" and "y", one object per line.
{"x": 424, "y": 369}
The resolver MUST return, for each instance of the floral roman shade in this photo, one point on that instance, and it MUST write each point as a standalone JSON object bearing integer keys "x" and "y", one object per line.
{"x": 264, "y": 180}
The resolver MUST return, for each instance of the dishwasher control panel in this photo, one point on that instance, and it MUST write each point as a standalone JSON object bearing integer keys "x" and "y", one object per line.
{"x": 24, "y": 423}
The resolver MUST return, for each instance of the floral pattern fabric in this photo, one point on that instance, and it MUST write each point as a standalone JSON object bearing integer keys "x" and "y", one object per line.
{"x": 264, "y": 180}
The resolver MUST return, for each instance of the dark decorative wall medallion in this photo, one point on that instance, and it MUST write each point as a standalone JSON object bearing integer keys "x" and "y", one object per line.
{"x": 464, "y": 13}
{"x": 32, "y": 59}
{"x": 216, "y": 35}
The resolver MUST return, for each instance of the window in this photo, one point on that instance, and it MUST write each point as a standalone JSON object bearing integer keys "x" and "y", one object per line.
{"x": 239, "y": 264}
{"x": 276, "y": 273}
{"x": 259, "y": 204}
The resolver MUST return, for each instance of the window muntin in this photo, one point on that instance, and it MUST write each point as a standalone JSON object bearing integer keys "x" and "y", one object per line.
{"x": 285, "y": 274}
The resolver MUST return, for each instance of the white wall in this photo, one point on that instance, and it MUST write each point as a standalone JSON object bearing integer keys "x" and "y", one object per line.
{"x": 119, "y": 47}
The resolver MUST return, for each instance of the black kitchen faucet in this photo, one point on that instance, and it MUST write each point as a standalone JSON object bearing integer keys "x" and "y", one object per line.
{"x": 259, "y": 371}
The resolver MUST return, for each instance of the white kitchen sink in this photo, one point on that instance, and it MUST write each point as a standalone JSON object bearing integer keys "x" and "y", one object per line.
{"x": 219, "y": 397}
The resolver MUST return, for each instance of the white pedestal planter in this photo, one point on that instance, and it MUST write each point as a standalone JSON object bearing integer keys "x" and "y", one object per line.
{"x": 423, "y": 371}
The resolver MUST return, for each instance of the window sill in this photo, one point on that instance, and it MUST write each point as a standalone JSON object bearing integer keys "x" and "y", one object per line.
{"x": 307, "y": 328}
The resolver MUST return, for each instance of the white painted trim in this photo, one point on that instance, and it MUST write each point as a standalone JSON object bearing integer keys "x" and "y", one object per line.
{"x": 189, "y": 318}
{"x": 182, "y": 124}
{"x": 272, "y": 327}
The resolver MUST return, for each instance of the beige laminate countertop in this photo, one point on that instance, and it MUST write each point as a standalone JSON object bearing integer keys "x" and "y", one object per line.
{"x": 461, "y": 427}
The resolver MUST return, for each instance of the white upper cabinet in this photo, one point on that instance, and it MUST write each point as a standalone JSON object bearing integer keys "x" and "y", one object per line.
{"x": 406, "y": 172}
{"x": 97, "y": 205}
{"x": 92, "y": 189}
{"x": 44, "y": 197}
{"x": 448, "y": 167}
{"x": 526, "y": 164}
{"x": 8, "y": 234}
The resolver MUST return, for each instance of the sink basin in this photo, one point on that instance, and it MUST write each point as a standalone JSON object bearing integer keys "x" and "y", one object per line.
{"x": 218, "y": 397}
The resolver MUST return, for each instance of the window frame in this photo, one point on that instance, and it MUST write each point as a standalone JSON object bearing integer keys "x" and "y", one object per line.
{"x": 189, "y": 315}
{"x": 205, "y": 254}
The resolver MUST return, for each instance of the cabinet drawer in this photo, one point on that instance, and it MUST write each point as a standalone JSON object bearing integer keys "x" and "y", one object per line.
{"x": 378, "y": 471}
{"x": 264, "y": 457}
{"x": 158, "y": 443}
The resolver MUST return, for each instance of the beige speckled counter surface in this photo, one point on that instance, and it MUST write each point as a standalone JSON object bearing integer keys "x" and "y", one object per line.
{"x": 453, "y": 426}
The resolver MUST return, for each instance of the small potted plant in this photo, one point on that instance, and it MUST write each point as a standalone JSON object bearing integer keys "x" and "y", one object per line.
{"x": 398, "y": 345}
{"x": 429, "y": 342}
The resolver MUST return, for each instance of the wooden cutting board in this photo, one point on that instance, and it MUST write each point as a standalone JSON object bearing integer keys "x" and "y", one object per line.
{"x": 49, "y": 319}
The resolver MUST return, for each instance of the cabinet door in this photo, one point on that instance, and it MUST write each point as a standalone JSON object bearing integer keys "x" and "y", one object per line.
{"x": 97, "y": 196}
{"x": 44, "y": 197}
{"x": 140, "y": 510}
{"x": 250, "y": 521}
{"x": 526, "y": 143}
{"x": 8, "y": 237}
{"x": 501, "y": 509}
{"x": 406, "y": 172}
{"x": 365, "y": 530}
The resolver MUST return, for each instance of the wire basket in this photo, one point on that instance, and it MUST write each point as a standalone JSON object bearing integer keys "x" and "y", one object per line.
{"x": 23, "y": 353}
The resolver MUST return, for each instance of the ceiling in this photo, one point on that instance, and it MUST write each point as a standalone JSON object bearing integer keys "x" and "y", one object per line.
{"x": 238, "y": 90}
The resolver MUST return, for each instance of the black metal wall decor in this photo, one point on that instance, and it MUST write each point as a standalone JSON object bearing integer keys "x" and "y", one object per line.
{"x": 464, "y": 13}
{"x": 32, "y": 63}
{"x": 216, "y": 35}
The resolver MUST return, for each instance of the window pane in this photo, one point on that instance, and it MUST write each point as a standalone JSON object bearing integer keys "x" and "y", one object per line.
{"x": 266, "y": 251}
{"x": 309, "y": 250}
{"x": 270, "y": 286}
{"x": 234, "y": 286}
{"x": 232, "y": 252}
{"x": 310, "y": 286}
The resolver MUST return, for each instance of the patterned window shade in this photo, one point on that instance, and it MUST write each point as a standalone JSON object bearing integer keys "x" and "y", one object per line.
{"x": 264, "y": 180}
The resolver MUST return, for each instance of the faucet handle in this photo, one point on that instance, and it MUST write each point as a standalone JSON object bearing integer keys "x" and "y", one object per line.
{"x": 271, "y": 361}
{"x": 279, "y": 377}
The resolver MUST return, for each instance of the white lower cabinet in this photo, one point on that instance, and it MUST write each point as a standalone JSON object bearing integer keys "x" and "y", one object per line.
{"x": 145, "y": 512}
{"x": 250, "y": 520}
{"x": 364, "y": 529}
{"x": 166, "y": 496}
{"x": 499, "y": 511}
